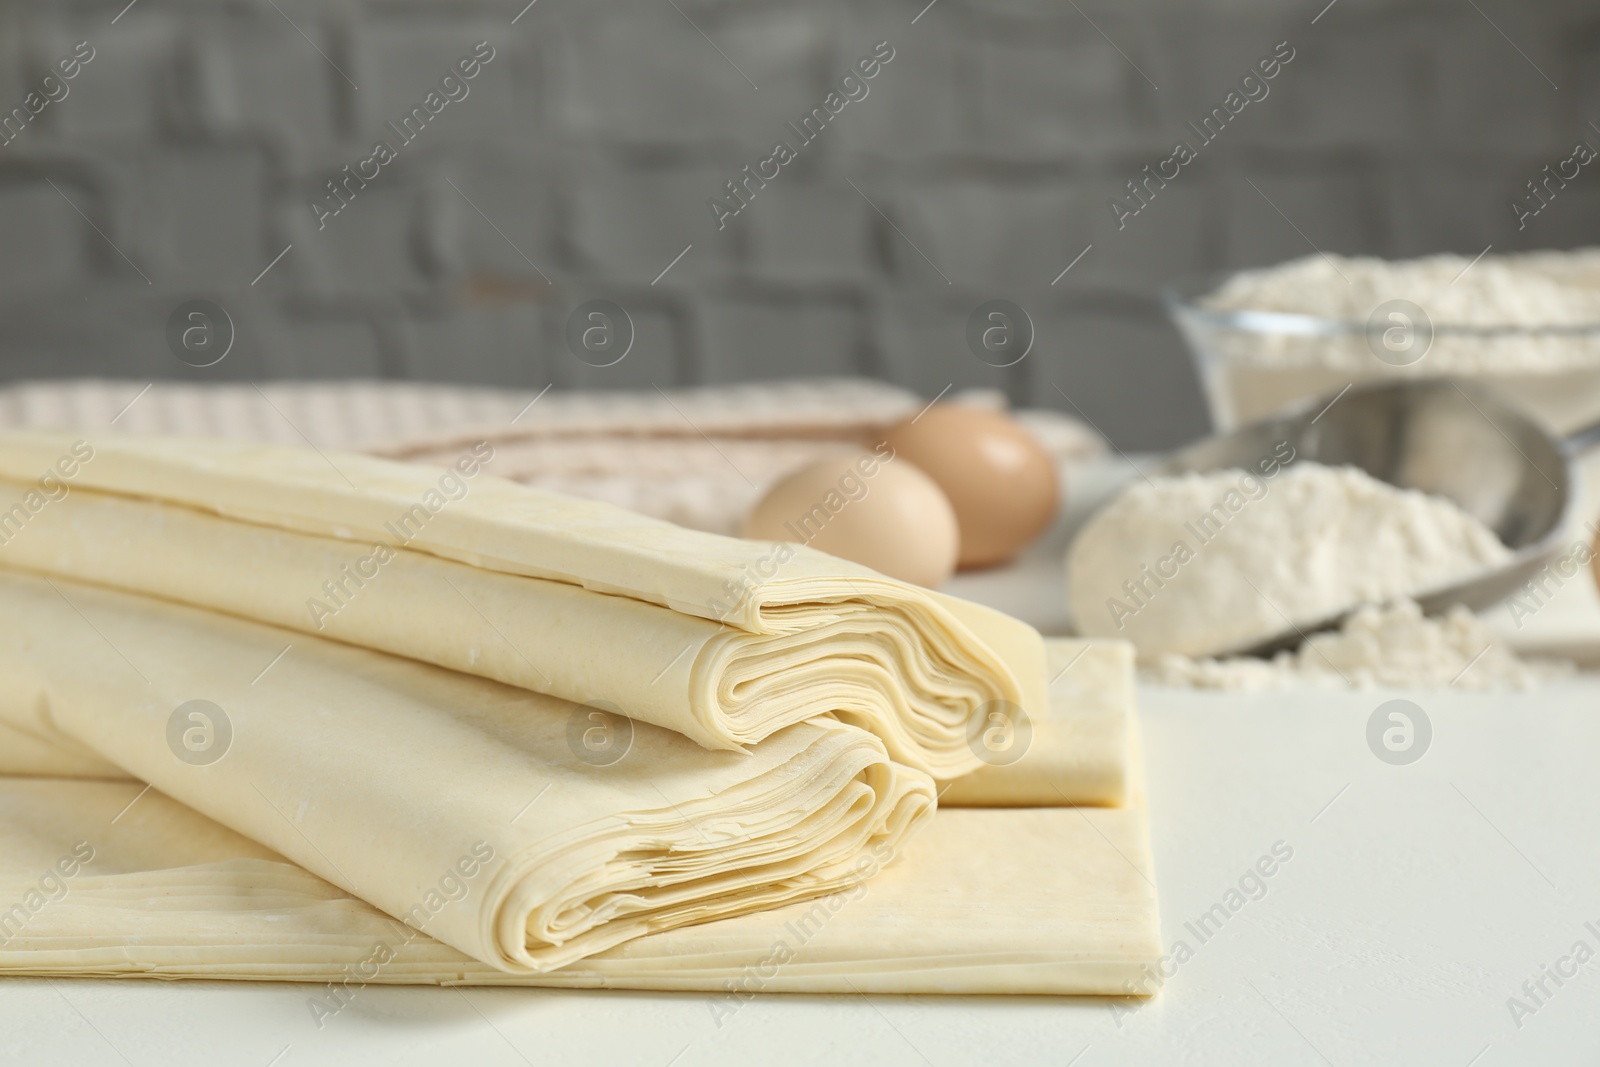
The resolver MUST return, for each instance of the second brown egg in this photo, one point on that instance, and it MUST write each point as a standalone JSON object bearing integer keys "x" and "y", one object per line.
{"x": 1000, "y": 480}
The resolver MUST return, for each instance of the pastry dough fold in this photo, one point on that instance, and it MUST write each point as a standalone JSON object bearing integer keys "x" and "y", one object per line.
{"x": 473, "y": 810}
{"x": 725, "y": 641}
{"x": 1023, "y": 901}
{"x": 1078, "y": 754}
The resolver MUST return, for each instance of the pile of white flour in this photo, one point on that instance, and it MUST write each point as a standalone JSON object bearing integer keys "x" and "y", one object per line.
{"x": 1203, "y": 564}
{"x": 1527, "y": 289}
{"x": 1392, "y": 645}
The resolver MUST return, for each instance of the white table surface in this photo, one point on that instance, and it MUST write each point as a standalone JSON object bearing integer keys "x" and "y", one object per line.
{"x": 1418, "y": 899}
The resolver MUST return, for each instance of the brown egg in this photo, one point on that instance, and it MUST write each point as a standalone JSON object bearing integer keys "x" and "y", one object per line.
{"x": 865, "y": 508}
{"x": 1000, "y": 480}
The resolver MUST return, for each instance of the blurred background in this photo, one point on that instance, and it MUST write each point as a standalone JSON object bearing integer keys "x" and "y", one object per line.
{"x": 183, "y": 161}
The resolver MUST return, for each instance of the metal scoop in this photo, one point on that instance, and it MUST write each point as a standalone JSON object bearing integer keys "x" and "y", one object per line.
{"x": 1456, "y": 439}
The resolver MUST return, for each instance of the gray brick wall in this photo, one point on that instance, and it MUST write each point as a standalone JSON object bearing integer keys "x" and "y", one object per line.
{"x": 186, "y": 153}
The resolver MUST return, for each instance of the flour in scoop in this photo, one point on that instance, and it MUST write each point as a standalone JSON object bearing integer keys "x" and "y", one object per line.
{"x": 1393, "y": 645}
{"x": 1203, "y": 564}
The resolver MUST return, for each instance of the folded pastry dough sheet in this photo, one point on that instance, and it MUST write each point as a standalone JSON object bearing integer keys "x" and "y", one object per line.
{"x": 1040, "y": 901}
{"x": 1078, "y": 753}
{"x": 722, "y": 640}
{"x": 396, "y": 780}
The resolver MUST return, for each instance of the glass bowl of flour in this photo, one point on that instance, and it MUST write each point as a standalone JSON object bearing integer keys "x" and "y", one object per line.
{"x": 1527, "y": 324}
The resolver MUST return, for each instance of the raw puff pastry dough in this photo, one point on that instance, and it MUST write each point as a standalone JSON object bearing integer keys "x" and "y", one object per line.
{"x": 386, "y": 776}
{"x": 1048, "y": 900}
{"x": 722, "y": 640}
{"x": 1076, "y": 754}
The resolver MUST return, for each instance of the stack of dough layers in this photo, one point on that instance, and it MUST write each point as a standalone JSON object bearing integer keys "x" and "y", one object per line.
{"x": 1079, "y": 753}
{"x": 726, "y": 642}
{"x": 1035, "y": 900}
{"x": 465, "y": 808}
